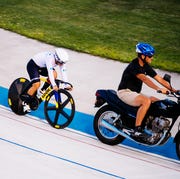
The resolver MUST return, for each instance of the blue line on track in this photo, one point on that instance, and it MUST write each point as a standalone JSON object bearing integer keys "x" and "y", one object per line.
{"x": 84, "y": 123}
{"x": 61, "y": 158}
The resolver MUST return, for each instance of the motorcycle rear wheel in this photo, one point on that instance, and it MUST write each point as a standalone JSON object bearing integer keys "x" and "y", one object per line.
{"x": 105, "y": 135}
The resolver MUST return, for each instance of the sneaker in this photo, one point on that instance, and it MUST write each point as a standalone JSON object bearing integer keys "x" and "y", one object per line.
{"x": 26, "y": 107}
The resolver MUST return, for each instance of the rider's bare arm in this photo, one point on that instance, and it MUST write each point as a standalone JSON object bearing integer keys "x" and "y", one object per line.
{"x": 163, "y": 82}
{"x": 150, "y": 83}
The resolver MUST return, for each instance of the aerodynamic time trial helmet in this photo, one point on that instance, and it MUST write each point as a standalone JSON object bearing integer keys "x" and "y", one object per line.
{"x": 145, "y": 49}
{"x": 61, "y": 55}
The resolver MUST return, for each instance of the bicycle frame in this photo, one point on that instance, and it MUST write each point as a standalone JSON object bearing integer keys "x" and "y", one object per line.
{"x": 45, "y": 94}
{"x": 48, "y": 90}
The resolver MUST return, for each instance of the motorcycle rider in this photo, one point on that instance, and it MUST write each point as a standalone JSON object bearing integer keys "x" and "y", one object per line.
{"x": 44, "y": 64}
{"x": 135, "y": 74}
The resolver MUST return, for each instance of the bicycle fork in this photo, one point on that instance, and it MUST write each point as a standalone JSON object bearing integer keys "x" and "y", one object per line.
{"x": 57, "y": 98}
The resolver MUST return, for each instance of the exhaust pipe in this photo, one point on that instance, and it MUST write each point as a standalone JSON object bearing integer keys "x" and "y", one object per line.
{"x": 114, "y": 129}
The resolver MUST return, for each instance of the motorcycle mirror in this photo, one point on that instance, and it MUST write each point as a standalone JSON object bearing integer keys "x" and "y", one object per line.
{"x": 167, "y": 78}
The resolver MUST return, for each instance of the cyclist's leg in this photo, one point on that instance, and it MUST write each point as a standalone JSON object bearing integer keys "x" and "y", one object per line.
{"x": 34, "y": 88}
{"x": 32, "y": 70}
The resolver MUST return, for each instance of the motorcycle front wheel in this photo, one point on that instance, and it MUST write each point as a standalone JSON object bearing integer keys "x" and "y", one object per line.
{"x": 105, "y": 135}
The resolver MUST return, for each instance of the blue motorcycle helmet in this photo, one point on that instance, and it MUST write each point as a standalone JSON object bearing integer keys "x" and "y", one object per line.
{"x": 145, "y": 49}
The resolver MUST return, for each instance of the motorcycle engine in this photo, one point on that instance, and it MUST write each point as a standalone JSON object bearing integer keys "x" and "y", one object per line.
{"x": 157, "y": 126}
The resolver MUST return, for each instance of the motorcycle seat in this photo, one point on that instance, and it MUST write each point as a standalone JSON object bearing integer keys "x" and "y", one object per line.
{"x": 110, "y": 96}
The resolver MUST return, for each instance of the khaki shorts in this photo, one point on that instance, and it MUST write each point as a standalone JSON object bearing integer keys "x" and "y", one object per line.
{"x": 127, "y": 96}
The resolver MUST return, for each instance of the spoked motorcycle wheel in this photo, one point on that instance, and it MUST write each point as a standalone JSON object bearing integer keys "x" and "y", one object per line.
{"x": 105, "y": 135}
{"x": 59, "y": 114}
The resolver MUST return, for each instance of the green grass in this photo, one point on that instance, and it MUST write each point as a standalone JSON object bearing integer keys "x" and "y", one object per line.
{"x": 107, "y": 28}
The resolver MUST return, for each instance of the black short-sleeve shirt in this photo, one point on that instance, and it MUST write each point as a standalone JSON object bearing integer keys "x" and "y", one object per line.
{"x": 129, "y": 79}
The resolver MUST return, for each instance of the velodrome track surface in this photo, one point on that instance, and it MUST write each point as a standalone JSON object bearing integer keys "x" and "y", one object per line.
{"x": 31, "y": 148}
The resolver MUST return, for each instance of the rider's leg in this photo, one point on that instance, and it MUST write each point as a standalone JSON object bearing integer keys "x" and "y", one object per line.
{"x": 33, "y": 71}
{"x": 136, "y": 100}
{"x": 154, "y": 99}
{"x": 34, "y": 74}
{"x": 144, "y": 103}
{"x": 32, "y": 91}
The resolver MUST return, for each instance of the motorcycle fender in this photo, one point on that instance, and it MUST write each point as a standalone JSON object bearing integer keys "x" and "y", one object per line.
{"x": 99, "y": 102}
{"x": 102, "y": 97}
{"x": 177, "y": 136}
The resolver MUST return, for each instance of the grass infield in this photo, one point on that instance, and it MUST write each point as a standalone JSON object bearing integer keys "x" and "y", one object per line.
{"x": 106, "y": 28}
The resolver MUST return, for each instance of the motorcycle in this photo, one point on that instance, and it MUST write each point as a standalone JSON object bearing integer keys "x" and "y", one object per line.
{"x": 115, "y": 120}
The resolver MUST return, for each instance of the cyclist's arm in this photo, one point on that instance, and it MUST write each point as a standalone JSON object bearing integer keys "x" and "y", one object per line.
{"x": 63, "y": 72}
{"x": 50, "y": 69}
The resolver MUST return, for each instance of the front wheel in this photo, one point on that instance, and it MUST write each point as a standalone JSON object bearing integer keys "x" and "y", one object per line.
{"x": 59, "y": 109}
{"x": 105, "y": 135}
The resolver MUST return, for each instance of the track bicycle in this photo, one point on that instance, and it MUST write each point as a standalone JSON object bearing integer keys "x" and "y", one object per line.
{"x": 59, "y": 106}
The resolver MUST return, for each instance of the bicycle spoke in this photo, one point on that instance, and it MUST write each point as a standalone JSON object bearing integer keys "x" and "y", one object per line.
{"x": 56, "y": 117}
{"x": 50, "y": 108}
{"x": 65, "y": 114}
{"x": 65, "y": 103}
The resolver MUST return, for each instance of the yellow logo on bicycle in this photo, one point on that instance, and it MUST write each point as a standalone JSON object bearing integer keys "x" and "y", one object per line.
{"x": 22, "y": 80}
{"x": 43, "y": 97}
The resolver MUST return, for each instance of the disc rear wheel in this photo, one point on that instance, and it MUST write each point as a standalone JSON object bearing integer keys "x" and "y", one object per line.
{"x": 15, "y": 90}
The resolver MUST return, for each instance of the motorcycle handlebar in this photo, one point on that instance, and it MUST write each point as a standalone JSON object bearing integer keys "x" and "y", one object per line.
{"x": 176, "y": 94}
{"x": 159, "y": 91}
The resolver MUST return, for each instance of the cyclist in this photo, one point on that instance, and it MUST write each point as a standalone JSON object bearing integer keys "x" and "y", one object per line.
{"x": 44, "y": 64}
{"x": 133, "y": 77}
